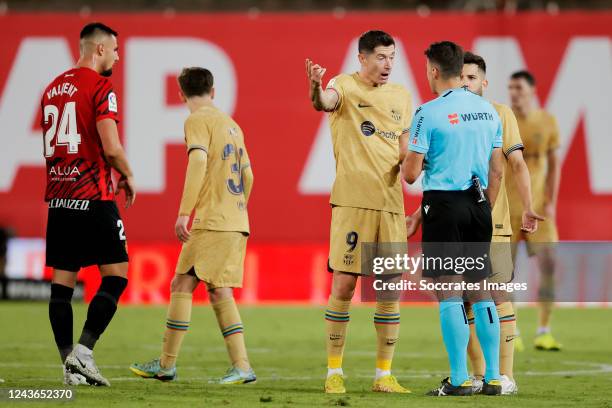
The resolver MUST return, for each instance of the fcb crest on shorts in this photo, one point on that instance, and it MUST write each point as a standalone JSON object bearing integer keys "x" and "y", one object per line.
{"x": 348, "y": 259}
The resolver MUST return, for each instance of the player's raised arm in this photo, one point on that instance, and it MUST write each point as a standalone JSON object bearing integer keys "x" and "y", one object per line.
{"x": 322, "y": 100}
{"x": 496, "y": 173}
{"x": 115, "y": 155}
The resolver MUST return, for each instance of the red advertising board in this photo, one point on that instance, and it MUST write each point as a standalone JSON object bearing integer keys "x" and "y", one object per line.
{"x": 258, "y": 63}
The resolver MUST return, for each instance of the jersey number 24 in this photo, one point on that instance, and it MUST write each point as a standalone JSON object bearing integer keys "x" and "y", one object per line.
{"x": 67, "y": 134}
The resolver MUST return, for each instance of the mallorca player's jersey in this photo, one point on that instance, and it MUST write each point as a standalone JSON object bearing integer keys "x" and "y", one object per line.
{"x": 540, "y": 135}
{"x": 221, "y": 205}
{"x": 71, "y": 106}
{"x": 366, "y": 127}
{"x": 511, "y": 141}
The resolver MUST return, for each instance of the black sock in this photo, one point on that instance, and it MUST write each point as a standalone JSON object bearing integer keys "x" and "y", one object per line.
{"x": 60, "y": 316}
{"x": 102, "y": 309}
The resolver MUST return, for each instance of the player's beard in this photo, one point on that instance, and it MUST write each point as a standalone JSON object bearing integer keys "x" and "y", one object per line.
{"x": 107, "y": 72}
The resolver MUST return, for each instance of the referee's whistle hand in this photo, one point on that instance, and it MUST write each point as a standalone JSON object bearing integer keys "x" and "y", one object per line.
{"x": 180, "y": 228}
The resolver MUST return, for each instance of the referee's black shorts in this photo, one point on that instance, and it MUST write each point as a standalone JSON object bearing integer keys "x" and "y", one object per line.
{"x": 456, "y": 226}
{"x": 84, "y": 232}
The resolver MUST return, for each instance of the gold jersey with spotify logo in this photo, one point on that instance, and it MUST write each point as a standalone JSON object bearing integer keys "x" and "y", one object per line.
{"x": 501, "y": 257}
{"x": 540, "y": 135}
{"x": 367, "y": 198}
{"x": 220, "y": 226}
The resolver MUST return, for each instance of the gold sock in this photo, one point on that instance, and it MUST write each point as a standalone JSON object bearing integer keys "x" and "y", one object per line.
{"x": 336, "y": 322}
{"x": 232, "y": 331}
{"x": 177, "y": 323}
{"x": 387, "y": 324}
{"x": 477, "y": 360}
{"x": 507, "y": 325}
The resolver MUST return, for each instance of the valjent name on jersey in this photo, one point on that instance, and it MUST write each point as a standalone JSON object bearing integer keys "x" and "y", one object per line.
{"x": 62, "y": 89}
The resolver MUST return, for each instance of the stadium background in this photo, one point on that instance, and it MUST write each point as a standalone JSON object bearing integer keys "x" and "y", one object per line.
{"x": 256, "y": 51}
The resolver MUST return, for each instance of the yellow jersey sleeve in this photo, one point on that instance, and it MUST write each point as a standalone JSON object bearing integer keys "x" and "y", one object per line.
{"x": 246, "y": 160}
{"x": 338, "y": 84}
{"x": 511, "y": 135}
{"x": 407, "y": 115}
{"x": 553, "y": 141}
{"x": 197, "y": 133}
{"x": 194, "y": 180}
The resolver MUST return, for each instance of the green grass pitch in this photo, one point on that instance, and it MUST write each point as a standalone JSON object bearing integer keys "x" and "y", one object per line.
{"x": 287, "y": 349}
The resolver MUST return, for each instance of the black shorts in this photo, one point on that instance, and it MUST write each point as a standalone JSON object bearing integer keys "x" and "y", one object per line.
{"x": 456, "y": 226}
{"x": 84, "y": 232}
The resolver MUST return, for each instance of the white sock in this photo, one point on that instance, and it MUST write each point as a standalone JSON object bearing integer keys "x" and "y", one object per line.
{"x": 332, "y": 371}
{"x": 381, "y": 373}
{"x": 543, "y": 330}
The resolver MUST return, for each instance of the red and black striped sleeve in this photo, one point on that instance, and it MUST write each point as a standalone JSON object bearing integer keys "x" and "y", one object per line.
{"x": 105, "y": 101}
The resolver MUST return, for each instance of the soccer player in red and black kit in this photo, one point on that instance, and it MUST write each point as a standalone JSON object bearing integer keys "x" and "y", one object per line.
{"x": 81, "y": 145}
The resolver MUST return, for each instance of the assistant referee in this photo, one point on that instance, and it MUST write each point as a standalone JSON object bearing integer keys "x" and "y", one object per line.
{"x": 456, "y": 139}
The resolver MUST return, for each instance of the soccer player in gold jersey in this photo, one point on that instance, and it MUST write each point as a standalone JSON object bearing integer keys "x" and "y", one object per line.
{"x": 540, "y": 134}
{"x": 369, "y": 120}
{"x": 218, "y": 184}
{"x": 474, "y": 76}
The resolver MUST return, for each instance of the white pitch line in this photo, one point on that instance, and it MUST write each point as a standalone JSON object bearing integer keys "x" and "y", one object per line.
{"x": 603, "y": 369}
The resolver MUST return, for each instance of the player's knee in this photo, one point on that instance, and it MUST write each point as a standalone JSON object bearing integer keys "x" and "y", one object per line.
{"x": 185, "y": 283}
{"x": 343, "y": 286}
{"x": 500, "y": 296}
{"x": 548, "y": 266}
{"x": 176, "y": 285}
{"x": 546, "y": 293}
{"x": 547, "y": 261}
{"x": 220, "y": 294}
{"x": 64, "y": 278}
{"x": 343, "y": 292}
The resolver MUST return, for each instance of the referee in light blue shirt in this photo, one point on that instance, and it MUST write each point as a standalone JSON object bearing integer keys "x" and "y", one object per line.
{"x": 456, "y": 140}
